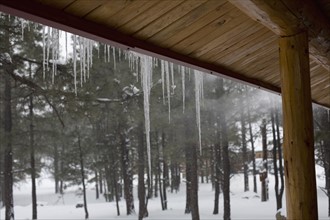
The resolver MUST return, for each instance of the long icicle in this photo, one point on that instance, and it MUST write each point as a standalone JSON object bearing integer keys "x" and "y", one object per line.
{"x": 114, "y": 57}
{"x": 198, "y": 87}
{"x": 75, "y": 63}
{"x": 53, "y": 53}
{"x": 44, "y": 52}
{"x": 163, "y": 79}
{"x": 146, "y": 74}
{"x": 167, "y": 74}
{"x": 172, "y": 76}
{"x": 48, "y": 45}
{"x": 66, "y": 47}
{"x": 183, "y": 88}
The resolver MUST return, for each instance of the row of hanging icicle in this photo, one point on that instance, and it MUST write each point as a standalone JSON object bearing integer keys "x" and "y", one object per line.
{"x": 82, "y": 55}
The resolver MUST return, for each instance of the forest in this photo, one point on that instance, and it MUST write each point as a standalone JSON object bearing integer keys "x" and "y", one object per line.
{"x": 89, "y": 113}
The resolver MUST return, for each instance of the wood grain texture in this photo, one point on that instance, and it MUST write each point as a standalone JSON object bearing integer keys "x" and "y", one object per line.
{"x": 209, "y": 34}
{"x": 289, "y": 17}
{"x": 300, "y": 182}
{"x": 81, "y": 8}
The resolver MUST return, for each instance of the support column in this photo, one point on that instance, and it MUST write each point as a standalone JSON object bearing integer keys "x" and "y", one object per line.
{"x": 300, "y": 182}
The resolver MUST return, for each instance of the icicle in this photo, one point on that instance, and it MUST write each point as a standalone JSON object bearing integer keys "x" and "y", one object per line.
{"x": 84, "y": 57}
{"x": 198, "y": 86}
{"x": 75, "y": 63}
{"x": 155, "y": 62}
{"x": 66, "y": 47}
{"x": 43, "y": 52}
{"x": 81, "y": 60}
{"x": 172, "y": 76}
{"x": 167, "y": 75}
{"x": 22, "y": 26}
{"x": 48, "y": 46}
{"x": 98, "y": 50}
{"x": 136, "y": 68}
{"x": 88, "y": 56}
{"x": 146, "y": 73}
{"x": 114, "y": 57}
{"x": 108, "y": 48}
{"x": 183, "y": 88}
{"x": 53, "y": 54}
{"x": 163, "y": 79}
{"x": 91, "y": 43}
{"x": 57, "y": 49}
{"x": 105, "y": 53}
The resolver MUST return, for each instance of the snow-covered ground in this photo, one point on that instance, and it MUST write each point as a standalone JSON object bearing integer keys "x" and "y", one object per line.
{"x": 246, "y": 205}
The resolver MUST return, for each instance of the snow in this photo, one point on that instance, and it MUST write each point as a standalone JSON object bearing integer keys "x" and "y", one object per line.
{"x": 244, "y": 205}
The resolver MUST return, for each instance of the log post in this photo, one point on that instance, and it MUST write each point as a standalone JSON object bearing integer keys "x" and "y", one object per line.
{"x": 298, "y": 143}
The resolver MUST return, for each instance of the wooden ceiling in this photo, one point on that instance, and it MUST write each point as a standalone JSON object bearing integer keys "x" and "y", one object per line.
{"x": 213, "y": 35}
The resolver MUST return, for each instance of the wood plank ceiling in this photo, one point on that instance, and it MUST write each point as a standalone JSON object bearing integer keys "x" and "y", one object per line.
{"x": 211, "y": 31}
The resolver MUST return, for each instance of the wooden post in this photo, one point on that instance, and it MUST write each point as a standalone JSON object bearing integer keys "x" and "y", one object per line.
{"x": 298, "y": 143}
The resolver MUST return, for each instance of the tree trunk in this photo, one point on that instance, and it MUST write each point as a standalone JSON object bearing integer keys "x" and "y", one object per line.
{"x": 8, "y": 171}
{"x": 194, "y": 185}
{"x": 96, "y": 185}
{"x": 101, "y": 181}
{"x": 157, "y": 166}
{"x": 114, "y": 176}
{"x": 264, "y": 172}
{"x": 244, "y": 152}
{"x": 127, "y": 176}
{"x": 188, "y": 180}
{"x": 82, "y": 172}
{"x": 165, "y": 172}
{"x": 32, "y": 156}
{"x": 159, "y": 156}
{"x": 143, "y": 212}
{"x": 277, "y": 196}
{"x": 8, "y": 154}
{"x": 217, "y": 177}
{"x": 226, "y": 168}
{"x": 280, "y": 158}
{"x": 156, "y": 182}
{"x": 253, "y": 154}
{"x": 56, "y": 171}
{"x": 62, "y": 169}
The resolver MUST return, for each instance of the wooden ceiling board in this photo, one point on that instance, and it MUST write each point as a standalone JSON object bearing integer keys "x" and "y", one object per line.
{"x": 227, "y": 38}
{"x": 237, "y": 48}
{"x": 81, "y": 8}
{"x": 103, "y": 14}
{"x": 259, "y": 55}
{"x": 209, "y": 33}
{"x": 168, "y": 18}
{"x": 207, "y": 20}
{"x": 322, "y": 96}
{"x": 57, "y": 4}
{"x": 185, "y": 21}
{"x": 241, "y": 48}
{"x": 148, "y": 16}
{"x": 130, "y": 11}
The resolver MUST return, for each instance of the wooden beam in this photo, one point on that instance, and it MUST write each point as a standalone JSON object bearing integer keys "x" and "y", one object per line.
{"x": 53, "y": 17}
{"x": 288, "y": 17}
{"x": 299, "y": 163}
